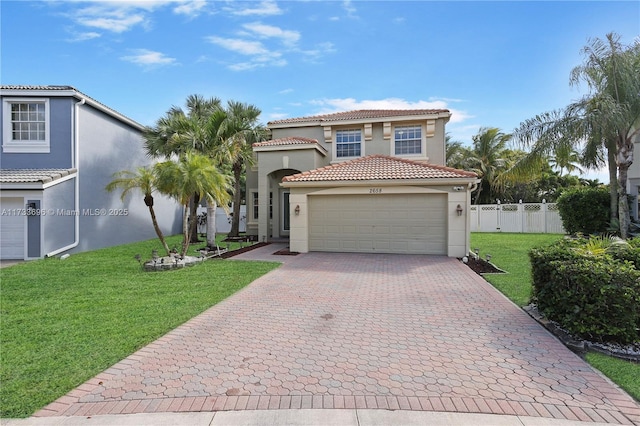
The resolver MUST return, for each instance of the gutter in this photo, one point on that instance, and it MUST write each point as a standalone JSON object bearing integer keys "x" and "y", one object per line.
{"x": 75, "y": 159}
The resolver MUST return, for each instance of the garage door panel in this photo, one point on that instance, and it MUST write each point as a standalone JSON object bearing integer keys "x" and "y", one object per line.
{"x": 394, "y": 223}
{"x": 12, "y": 229}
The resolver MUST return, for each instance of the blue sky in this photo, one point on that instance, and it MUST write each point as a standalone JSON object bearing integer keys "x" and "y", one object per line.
{"x": 491, "y": 63}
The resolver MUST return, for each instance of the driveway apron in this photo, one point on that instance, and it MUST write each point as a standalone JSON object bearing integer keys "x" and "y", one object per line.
{"x": 379, "y": 331}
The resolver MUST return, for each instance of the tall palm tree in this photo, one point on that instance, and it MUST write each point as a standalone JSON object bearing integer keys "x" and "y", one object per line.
{"x": 180, "y": 132}
{"x": 486, "y": 159}
{"x": 238, "y": 132}
{"x": 144, "y": 180}
{"x": 603, "y": 123}
{"x": 188, "y": 175}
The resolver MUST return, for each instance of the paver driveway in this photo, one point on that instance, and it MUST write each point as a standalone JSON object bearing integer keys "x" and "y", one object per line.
{"x": 357, "y": 331}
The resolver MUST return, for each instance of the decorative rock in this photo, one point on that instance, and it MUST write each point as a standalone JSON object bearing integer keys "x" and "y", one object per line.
{"x": 171, "y": 262}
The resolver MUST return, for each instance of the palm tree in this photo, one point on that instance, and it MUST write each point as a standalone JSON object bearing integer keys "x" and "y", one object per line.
{"x": 603, "y": 123}
{"x": 143, "y": 179}
{"x": 456, "y": 153}
{"x": 180, "y": 132}
{"x": 566, "y": 158}
{"x": 191, "y": 174}
{"x": 238, "y": 132}
{"x": 486, "y": 159}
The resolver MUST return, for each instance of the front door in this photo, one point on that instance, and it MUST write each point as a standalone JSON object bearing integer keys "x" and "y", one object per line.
{"x": 285, "y": 218}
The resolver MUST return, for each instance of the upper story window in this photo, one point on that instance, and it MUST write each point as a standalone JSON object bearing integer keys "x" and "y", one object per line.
{"x": 408, "y": 140}
{"x": 26, "y": 125}
{"x": 348, "y": 143}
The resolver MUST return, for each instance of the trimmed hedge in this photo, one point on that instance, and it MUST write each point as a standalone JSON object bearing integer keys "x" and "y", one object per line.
{"x": 585, "y": 210}
{"x": 593, "y": 297}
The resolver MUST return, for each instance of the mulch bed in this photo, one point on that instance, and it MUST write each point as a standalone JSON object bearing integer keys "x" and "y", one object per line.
{"x": 286, "y": 252}
{"x": 480, "y": 266}
{"x": 243, "y": 250}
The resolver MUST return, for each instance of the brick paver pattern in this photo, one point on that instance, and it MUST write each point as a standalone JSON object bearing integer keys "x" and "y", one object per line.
{"x": 328, "y": 330}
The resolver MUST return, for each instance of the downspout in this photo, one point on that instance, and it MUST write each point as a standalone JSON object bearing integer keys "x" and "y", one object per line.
{"x": 75, "y": 159}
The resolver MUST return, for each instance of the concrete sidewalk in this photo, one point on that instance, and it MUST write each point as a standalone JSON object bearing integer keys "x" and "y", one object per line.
{"x": 297, "y": 418}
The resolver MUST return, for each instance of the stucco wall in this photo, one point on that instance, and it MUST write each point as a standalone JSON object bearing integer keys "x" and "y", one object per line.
{"x": 435, "y": 145}
{"x": 59, "y": 222}
{"x": 108, "y": 146}
{"x": 60, "y": 136}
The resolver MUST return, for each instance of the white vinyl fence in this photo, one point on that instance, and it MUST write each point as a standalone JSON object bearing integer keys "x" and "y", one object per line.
{"x": 522, "y": 217}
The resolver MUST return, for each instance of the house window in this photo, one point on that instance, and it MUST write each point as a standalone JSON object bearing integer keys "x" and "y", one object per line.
{"x": 254, "y": 197}
{"x": 26, "y": 126}
{"x": 408, "y": 140}
{"x": 348, "y": 143}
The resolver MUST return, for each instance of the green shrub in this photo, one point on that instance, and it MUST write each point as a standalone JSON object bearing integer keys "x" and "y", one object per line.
{"x": 595, "y": 297}
{"x": 629, "y": 252}
{"x": 585, "y": 210}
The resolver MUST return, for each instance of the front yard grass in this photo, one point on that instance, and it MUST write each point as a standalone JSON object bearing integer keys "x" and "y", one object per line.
{"x": 510, "y": 252}
{"x": 64, "y": 321}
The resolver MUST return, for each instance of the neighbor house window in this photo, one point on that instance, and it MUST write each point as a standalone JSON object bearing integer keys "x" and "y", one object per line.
{"x": 408, "y": 140}
{"x": 26, "y": 125}
{"x": 254, "y": 197}
{"x": 348, "y": 143}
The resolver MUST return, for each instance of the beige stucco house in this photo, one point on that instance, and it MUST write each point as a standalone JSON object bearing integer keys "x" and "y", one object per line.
{"x": 371, "y": 181}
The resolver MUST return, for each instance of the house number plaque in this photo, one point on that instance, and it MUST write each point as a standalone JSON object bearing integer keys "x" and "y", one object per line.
{"x": 375, "y": 190}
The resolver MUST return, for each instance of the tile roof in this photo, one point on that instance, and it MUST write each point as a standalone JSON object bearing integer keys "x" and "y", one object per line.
{"x": 33, "y": 175}
{"x": 287, "y": 141}
{"x": 379, "y": 167}
{"x": 360, "y": 114}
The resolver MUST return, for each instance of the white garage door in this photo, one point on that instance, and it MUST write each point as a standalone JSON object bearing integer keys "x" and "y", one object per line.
{"x": 12, "y": 228}
{"x": 378, "y": 223}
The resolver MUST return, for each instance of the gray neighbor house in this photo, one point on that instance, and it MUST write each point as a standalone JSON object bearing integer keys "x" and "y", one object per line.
{"x": 59, "y": 150}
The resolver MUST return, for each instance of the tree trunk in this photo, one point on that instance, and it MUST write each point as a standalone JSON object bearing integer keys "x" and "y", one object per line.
{"x": 193, "y": 216}
{"x": 624, "y": 160}
{"x": 613, "y": 183}
{"x": 185, "y": 230}
{"x": 237, "y": 199}
{"x": 158, "y": 230}
{"x": 211, "y": 224}
{"x": 148, "y": 201}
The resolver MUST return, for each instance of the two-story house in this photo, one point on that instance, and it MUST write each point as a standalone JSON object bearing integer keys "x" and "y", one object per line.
{"x": 59, "y": 150}
{"x": 371, "y": 181}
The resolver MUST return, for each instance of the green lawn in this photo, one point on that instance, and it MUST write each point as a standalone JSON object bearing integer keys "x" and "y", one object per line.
{"x": 509, "y": 252}
{"x": 63, "y": 322}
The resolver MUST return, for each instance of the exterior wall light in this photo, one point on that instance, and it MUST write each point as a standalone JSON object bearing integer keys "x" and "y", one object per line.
{"x": 297, "y": 210}
{"x": 459, "y": 210}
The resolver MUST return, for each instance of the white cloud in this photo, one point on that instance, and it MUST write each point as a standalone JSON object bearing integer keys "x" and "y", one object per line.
{"x": 190, "y": 8}
{"x": 148, "y": 58}
{"x": 265, "y": 8}
{"x": 113, "y": 23}
{"x": 268, "y": 31}
{"x": 319, "y": 51}
{"x": 349, "y": 104}
{"x": 77, "y": 37}
{"x": 121, "y": 16}
{"x": 351, "y": 10}
{"x": 259, "y": 55}
{"x": 244, "y": 47}
{"x": 276, "y": 116}
{"x": 285, "y": 91}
